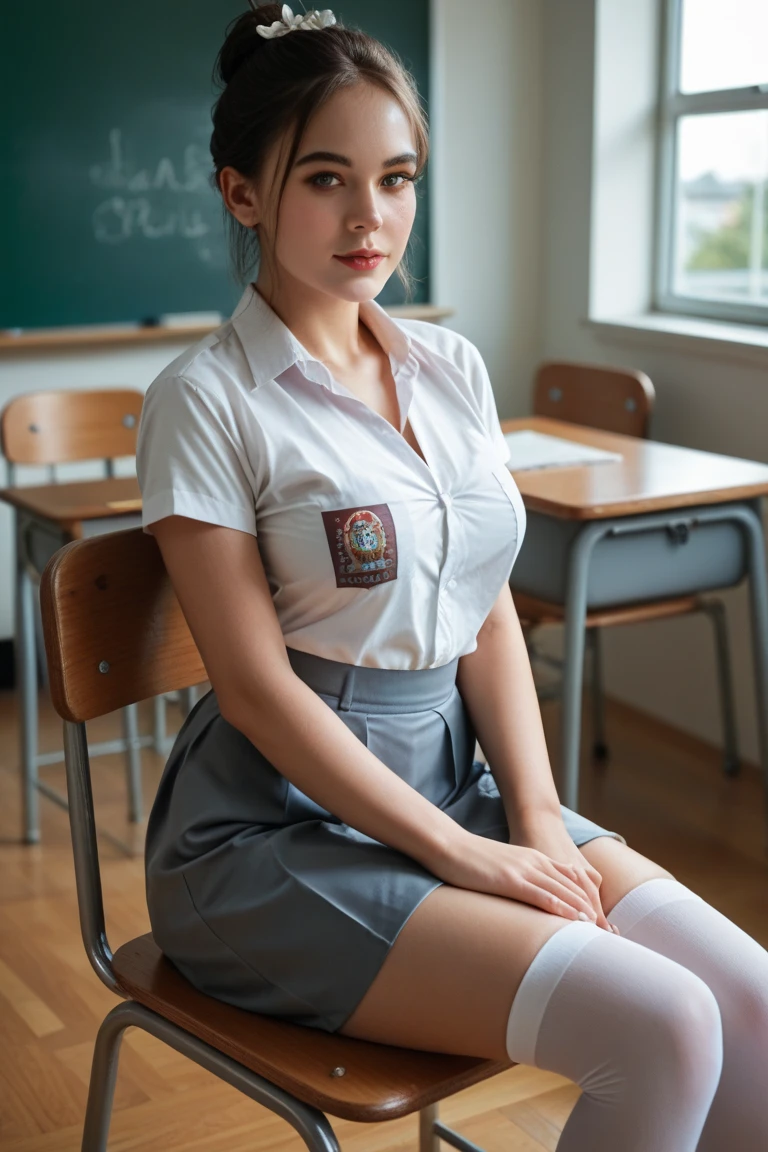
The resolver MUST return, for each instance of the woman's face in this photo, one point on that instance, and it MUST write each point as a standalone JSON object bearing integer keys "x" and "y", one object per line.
{"x": 360, "y": 194}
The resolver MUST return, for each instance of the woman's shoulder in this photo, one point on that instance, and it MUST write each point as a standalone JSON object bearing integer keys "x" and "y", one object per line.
{"x": 215, "y": 365}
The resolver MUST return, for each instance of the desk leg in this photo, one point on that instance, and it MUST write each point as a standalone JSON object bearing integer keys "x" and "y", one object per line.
{"x": 758, "y": 595}
{"x": 26, "y": 679}
{"x": 573, "y": 665}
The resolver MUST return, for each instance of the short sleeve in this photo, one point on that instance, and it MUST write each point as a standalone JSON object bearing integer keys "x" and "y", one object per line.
{"x": 481, "y": 384}
{"x": 188, "y": 462}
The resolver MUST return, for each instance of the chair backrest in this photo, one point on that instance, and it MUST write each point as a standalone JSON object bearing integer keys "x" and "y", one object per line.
{"x": 114, "y": 634}
{"x": 114, "y": 630}
{"x": 67, "y": 425}
{"x": 614, "y": 399}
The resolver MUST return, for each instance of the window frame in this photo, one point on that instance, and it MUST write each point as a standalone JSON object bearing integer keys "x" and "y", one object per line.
{"x": 673, "y": 106}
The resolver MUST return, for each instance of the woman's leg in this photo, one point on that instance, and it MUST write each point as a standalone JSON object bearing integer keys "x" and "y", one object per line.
{"x": 666, "y": 916}
{"x": 476, "y": 974}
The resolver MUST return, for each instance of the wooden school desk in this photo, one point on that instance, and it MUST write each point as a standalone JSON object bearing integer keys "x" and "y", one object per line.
{"x": 46, "y": 518}
{"x": 664, "y": 521}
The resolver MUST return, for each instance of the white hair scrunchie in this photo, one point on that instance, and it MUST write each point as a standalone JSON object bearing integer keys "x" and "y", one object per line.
{"x": 306, "y": 22}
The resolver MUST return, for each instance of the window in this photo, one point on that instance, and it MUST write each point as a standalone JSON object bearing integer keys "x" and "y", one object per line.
{"x": 712, "y": 257}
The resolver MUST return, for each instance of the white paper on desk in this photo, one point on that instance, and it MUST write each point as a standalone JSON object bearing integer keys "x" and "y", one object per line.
{"x": 536, "y": 450}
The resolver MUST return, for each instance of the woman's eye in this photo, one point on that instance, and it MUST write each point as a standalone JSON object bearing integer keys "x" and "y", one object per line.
{"x": 399, "y": 176}
{"x": 322, "y": 176}
{"x": 319, "y": 179}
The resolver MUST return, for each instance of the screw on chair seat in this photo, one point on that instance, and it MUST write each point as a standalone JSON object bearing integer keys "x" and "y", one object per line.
{"x": 380, "y": 1082}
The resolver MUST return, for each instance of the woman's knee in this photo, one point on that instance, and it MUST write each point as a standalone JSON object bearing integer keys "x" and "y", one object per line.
{"x": 689, "y": 1025}
{"x": 622, "y": 1014}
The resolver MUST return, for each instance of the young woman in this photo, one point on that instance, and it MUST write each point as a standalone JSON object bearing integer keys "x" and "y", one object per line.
{"x": 329, "y": 491}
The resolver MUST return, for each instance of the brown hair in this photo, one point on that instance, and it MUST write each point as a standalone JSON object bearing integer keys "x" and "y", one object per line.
{"x": 274, "y": 86}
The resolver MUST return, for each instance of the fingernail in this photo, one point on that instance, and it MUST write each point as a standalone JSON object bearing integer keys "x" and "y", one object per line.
{"x": 583, "y": 916}
{"x": 614, "y": 929}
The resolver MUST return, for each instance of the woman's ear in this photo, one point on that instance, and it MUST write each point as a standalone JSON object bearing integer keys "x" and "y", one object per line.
{"x": 240, "y": 197}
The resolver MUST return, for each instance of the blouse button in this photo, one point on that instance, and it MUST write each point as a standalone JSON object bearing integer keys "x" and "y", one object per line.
{"x": 451, "y": 584}
{"x": 446, "y": 498}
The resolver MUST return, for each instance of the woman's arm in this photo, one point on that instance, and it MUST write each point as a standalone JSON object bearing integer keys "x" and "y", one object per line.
{"x": 497, "y": 686}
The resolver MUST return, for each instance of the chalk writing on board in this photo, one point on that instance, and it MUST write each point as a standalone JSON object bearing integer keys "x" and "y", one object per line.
{"x": 150, "y": 213}
{"x": 117, "y": 219}
{"x": 116, "y": 173}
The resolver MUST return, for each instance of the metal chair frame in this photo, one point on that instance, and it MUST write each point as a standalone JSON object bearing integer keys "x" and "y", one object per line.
{"x": 310, "y": 1123}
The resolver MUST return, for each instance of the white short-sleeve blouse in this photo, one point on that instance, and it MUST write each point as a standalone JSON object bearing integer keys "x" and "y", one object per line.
{"x": 373, "y": 557}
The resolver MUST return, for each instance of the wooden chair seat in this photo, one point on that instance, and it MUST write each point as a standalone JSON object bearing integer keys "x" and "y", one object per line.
{"x": 381, "y": 1082}
{"x": 534, "y": 612}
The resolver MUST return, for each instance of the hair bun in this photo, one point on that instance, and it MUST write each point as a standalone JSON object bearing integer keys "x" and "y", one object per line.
{"x": 243, "y": 39}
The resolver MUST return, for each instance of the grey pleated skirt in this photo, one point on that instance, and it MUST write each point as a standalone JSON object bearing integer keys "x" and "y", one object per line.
{"x": 264, "y": 899}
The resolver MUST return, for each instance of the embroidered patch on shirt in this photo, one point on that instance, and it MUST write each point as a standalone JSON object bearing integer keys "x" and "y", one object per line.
{"x": 363, "y": 545}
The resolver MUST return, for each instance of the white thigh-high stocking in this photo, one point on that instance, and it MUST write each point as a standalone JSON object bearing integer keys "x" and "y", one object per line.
{"x": 669, "y": 918}
{"x": 640, "y": 1034}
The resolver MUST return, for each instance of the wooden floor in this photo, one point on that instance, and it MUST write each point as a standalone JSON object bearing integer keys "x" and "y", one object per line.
{"x": 663, "y": 791}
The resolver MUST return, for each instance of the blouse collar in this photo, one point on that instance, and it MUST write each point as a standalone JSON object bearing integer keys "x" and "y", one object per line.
{"x": 271, "y": 347}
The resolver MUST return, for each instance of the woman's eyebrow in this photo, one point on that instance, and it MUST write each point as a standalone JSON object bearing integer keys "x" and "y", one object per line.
{"x": 334, "y": 158}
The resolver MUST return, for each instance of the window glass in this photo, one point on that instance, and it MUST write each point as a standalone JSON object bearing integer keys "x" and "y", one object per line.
{"x": 721, "y": 249}
{"x": 724, "y": 44}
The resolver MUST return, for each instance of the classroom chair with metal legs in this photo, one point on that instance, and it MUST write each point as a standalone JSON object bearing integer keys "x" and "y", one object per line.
{"x": 49, "y": 429}
{"x": 115, "y": 634}
{"x": 616, "y": 400}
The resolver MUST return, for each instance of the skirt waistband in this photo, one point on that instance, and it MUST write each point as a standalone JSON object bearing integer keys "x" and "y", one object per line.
{"x": 375, "y": 689}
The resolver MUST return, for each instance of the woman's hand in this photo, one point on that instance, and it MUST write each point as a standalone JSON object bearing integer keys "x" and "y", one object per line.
{"x": 547, "y": 833}
{"x": 518, "y": 872}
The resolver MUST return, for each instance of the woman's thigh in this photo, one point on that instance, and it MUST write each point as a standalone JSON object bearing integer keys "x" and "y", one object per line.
{"x": 449, "y": 979}
{"x": 621, "y": 868}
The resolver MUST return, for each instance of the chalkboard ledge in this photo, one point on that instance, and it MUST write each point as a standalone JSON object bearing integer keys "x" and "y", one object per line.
{"x": 43, "y": 339}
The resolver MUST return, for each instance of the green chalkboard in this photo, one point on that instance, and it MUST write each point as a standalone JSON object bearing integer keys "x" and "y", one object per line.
{"x": 106, "y": 211}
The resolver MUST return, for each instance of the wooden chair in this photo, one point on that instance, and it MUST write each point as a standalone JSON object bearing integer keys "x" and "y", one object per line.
{"x": 616, "y": 400}
{"x": 115, "y": 634}
{"x": 49, "y": 429}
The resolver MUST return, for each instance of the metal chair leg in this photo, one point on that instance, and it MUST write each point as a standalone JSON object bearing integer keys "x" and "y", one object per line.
{"x": 429, "y": 1141}
{"x": 715, "y": 609}
{"x": 101, "y": 1091}
{"x": 130, "y": 716}
{"x": 187, "y": 698}
{"x": 600, "y": 753}
{"x": 158, "y": 727}
{"x": 311, "y": 1125}
{"x": 42, "y": 660}
{"x": 26, "y": 679}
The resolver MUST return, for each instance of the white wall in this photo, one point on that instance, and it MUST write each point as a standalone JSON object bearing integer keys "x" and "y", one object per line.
{"x": 485, "y": 181}
{"x": 706, "y": 397}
